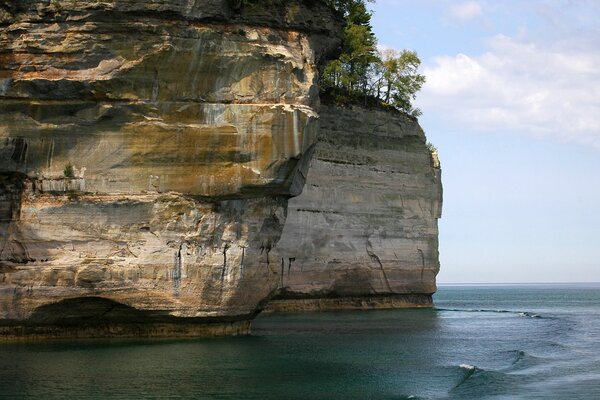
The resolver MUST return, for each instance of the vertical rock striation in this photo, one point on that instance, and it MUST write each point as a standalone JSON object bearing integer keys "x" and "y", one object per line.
{"x": 147, "y": 152}
{"x": 364, "y": 231}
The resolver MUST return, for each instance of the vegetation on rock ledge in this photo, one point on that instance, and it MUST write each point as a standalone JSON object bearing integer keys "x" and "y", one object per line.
{"x": 363, "y": 73}
{"x": 68, "y": 171}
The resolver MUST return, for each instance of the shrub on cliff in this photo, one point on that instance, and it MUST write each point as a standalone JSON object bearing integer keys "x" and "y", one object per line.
{"x": 68, "y": 171}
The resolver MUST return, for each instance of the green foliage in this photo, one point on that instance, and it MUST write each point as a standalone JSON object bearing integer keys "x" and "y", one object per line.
{"x": 345, "y": 7}
{"x": 431, "y": 147}
{"x": 363, "y": 73}
{"x": 396, "y": 80}
{"x": 68, "y": 171}
{"x": 358, "y": 48}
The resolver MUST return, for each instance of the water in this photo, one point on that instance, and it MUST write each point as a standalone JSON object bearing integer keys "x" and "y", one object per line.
{"x": 503, "y": 342}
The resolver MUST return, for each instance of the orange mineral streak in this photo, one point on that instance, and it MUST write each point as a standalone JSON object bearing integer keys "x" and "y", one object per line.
{"x": 186, "y": 128}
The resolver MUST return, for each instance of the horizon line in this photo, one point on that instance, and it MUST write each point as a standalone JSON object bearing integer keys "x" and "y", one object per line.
{"x": 519, "y": 283}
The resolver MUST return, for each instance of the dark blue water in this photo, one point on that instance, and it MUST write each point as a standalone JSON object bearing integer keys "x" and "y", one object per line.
{"x": 509, "y": 342}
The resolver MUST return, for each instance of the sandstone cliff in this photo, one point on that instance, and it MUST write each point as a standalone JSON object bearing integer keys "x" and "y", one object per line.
{"x": 364, "y": 231}
{"x": 147, "y": 152}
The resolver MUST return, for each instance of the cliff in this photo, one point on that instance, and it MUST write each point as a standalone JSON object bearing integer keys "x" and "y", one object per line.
{"x": 363, "y": 233}
{"x": 147, "y": 153}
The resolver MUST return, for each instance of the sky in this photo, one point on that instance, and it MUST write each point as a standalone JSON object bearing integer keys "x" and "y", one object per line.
{"x": 512, "y": 102}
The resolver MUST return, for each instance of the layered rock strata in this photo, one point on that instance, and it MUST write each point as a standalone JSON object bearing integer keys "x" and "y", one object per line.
{"x": 363, "y": 234}
{"x": 147, "y": 152}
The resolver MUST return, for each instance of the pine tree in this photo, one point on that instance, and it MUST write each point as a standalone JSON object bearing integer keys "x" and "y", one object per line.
{"x": 359, "y": 49}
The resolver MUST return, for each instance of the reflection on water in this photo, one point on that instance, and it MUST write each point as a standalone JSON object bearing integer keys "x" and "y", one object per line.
{"x": 380, "y": 322}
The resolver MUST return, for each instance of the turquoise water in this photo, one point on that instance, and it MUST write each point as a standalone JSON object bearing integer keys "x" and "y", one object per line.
{"x": 495, "y": 342}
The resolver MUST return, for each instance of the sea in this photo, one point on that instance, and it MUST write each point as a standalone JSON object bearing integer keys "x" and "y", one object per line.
{"x": 478, "y": 342}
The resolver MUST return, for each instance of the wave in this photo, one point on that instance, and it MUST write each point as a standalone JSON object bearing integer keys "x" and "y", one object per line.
{"x": 467, "y": 372}
{"x": 481, "y": 310}
{"x": 522, "y": 360}
{"x": 520, "y": 355}
{"x": 472, "y": 379}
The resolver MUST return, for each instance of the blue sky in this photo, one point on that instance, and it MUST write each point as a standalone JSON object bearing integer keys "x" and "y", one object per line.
{"x": 512, "y": 101}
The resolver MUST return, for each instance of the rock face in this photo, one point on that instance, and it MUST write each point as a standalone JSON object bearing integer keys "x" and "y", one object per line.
{"x": 147, "y": 152}
{"x": 364, "y": 231}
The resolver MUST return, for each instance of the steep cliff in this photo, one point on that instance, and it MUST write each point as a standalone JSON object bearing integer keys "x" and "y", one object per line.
{"x": 147, "y": 152}
{"x": 364, "y": 231}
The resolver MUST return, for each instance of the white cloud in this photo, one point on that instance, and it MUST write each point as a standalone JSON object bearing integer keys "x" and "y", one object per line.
{"x": 543, "y": 90}
{"x": 466, "y": 11}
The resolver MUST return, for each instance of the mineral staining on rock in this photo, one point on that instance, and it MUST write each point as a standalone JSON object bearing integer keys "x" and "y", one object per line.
{"x": 147, "y": 154}
{"x": 363, "y": 233}
{"x": 153, "y": 104}
{"x": 187, "y": 125}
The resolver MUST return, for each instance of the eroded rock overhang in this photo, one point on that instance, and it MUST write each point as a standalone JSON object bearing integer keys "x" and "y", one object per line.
{"x": 147, "y": 150}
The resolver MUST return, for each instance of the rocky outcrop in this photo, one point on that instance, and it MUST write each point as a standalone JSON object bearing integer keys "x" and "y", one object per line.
{"x": 363, "y": 233}
{"x": 147, "y": 152}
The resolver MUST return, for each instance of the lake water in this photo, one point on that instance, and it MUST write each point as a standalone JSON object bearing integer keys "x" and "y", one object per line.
{"x": 480, "y": 342}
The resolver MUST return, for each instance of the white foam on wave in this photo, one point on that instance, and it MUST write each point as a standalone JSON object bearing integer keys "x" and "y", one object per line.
{"x": 467, "y": 366}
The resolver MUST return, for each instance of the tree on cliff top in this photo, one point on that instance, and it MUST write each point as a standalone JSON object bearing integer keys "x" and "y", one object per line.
{"x": 350, "y": 71}
{"x": 362, "y": 73}
{"x": 396, "y": 80}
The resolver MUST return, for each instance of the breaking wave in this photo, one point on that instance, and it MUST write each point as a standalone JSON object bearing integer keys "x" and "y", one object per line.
{"x": 473, "y": 379}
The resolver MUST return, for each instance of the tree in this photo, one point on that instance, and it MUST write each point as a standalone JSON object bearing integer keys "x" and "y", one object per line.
{"x": 362, "y": 72}
{"x": 350, "y": 71}
{"x": 344, "y": 6}
{"x": 399, "y": 80}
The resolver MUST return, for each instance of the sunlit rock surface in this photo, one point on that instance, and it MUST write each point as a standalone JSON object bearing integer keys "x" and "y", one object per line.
{"x": 363, "y": 233}
{"x": 147, "y": 152}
